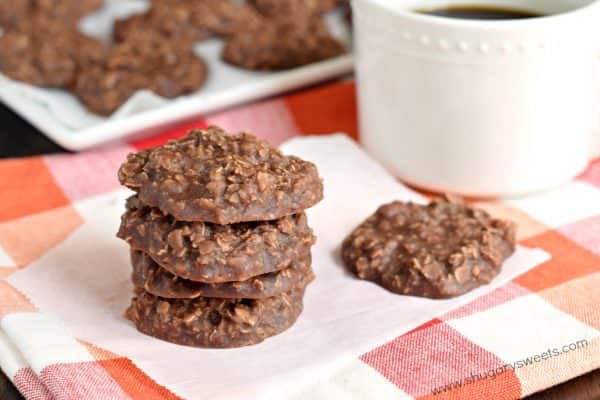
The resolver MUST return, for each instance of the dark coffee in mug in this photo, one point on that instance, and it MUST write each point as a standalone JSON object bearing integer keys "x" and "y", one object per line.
{"x": 481, "y": 12}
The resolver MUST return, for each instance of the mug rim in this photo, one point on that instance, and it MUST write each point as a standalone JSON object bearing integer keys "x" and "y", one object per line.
{"x": 487, "y": 24}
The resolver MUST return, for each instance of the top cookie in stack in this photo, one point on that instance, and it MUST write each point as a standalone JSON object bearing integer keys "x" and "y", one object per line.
{"x": 219, "y": 238}
{"x": 211, "y": 176}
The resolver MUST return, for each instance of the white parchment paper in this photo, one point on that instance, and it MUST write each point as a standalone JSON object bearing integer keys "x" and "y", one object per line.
{"x": 85, "y": 282}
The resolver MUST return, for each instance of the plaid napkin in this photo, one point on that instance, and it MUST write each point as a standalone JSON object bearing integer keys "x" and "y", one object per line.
{"x": 536, "y": 331}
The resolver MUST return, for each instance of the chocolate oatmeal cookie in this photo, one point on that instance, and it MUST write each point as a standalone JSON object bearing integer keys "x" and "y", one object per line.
{"x": 12, "y": 12}
{"x": 286, "y": 8}
{"x": 169, "y": 68}
{"x": 171, "y": 24}
{"x": 149, "y": 276}
{"x": 191, "y": 19}
{"x": 67, "y": 11}
{"x": 170, "y": 19}
{"x": 206, "y": 252}
{"x": 215, "y": 323}
{"x": 211, "y": 176}
{"x": 282, "y": 44}
{"x": 439, "y": 250}
{"x": 224, "y": 17}
{"x": 45, "y": 52}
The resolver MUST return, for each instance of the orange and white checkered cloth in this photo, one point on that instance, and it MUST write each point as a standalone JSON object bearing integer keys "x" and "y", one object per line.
{"x": 538, "y": 330}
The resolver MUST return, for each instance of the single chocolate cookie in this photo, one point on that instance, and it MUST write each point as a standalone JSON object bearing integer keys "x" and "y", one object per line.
{"x": 149, "y": 276}
{"x": 224, "y": 17}
{"x": 191, "y": 19}
{"x": 66, "y": 11}
{"x": 170, "y": 19}
{"x": 206, "y": 252}
{"x": 282, "y": 44}
{"x": 211, "y": 176}
{"x": 169, "y": 68}
{"x": 439, "y": 250}
{"x": 215, "y": 323}
{"x": 287, "y": 8}
{"x": 12, "y": 12}
{"x": 45, "y": 52}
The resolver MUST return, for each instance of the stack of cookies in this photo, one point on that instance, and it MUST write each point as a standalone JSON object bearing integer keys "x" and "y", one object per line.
{"x": 220, "y": 245}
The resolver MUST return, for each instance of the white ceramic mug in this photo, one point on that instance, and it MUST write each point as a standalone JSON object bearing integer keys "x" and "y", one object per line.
{"x": 481, "y": 108}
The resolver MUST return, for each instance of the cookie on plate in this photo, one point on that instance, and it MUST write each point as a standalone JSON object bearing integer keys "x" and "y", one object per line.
{"x": 67, "y": 11}
{"x": 224, "y": 17}
{"x": 439, "y": 250}
{"x": 212, "y": 176}
{"x": 194, "y": 20}
{"x": 146, "y": 60}
{"x": 215, "y": 323}
{"x": 213, "y": 253}
{"x": 281, "y": 44}
{"x": 152, "y": 278}
{"x": 278, "y": 8}
{"x": 171, "y": 24}
{"x": 173, "y": 19}
{"x": 45, "y": 52}
{"x": 13, "y": 12}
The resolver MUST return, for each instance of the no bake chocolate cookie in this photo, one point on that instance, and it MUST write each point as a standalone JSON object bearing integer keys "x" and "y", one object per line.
{"x": 67, "y": 11}
{"x": 223, "y": 17}
{"x": 206, "y": 252}
{"x": 12, "y": 12}
{"x": 169, "y": 68}
{"x": 281, "y": 44}
{"x": 194, "y": 20}
{"x": 46, "y": 52}
{"x": 287, "y": 8}
{"x": 439, "y": 250}
{"x": 171, "y": 19}
{"x": 149, "y": 276}
{"x": 211, "y": 176}
{"x": 215, "y": 323}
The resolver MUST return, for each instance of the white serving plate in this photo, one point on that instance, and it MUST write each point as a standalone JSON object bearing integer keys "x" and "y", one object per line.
{"x": 61, "y": 117}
